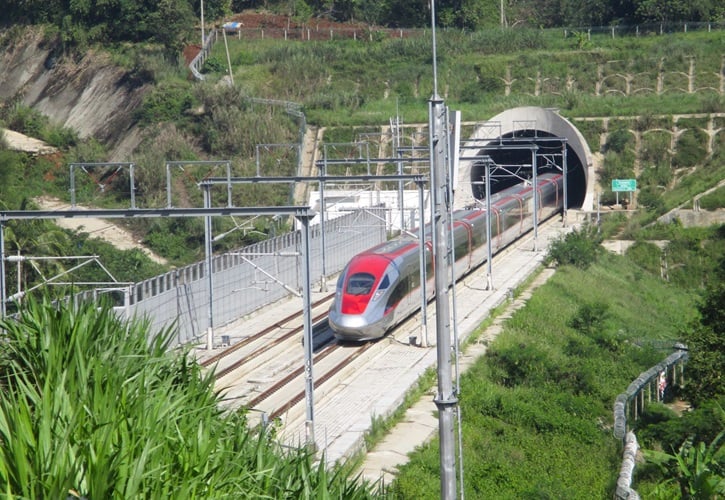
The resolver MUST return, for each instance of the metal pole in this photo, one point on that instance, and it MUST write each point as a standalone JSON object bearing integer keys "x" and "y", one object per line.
{"x": 323, "y": 209}
{"x": 423, "y": 272}
{"x": 396, "y": 146}
{"x": 209, "y": 280}
{"x": 3, "y": 292}
{"x": 168, "y": 185}
{"x": 202, "y": 25}
{"x": 452, "y": 164}
{"x": 446, "y": 399}
{"x": 229, "y": 183}
{"x": 599, "y": 204}
{"x": 133, "y": 187}
{"x": 536, "y": 201}
{"x": 566, "y": 190}
{"x": 72, "y": 186}
{"x": 489, "y": 264}
{"x": 307, "y": 334}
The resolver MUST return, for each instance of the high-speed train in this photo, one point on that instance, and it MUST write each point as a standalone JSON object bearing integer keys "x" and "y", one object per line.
{"x": 381, "y": 286}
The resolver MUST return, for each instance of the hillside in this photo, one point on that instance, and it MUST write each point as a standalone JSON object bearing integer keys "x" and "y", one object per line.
{"x": 90, "y": 95}
{"x": 644, "y": 114}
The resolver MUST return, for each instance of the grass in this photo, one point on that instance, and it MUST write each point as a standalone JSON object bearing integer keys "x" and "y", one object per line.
{"x": 537, "y": 407}
{"x": 353, "y": 83}
{"x": 714, "y": 200}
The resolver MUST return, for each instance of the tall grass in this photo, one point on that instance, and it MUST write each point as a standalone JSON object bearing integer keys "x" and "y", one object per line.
{"x": 90, "y": 408}
{"x": 356, "y": 82}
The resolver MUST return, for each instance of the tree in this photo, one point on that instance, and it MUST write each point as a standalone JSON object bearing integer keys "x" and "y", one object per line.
{"x": 706, "y": 343}
{"x": 171, "y": 25}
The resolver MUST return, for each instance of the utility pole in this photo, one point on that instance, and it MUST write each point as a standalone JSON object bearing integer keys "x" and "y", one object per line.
{"x": 202, "y": 25}
{"x": 445, "y": 399}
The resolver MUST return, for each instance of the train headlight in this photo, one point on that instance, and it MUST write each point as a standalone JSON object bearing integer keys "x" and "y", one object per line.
{"x": 378, "y": 294}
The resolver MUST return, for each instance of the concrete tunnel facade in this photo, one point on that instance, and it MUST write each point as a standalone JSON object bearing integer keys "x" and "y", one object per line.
{"x": 517, "y": 129}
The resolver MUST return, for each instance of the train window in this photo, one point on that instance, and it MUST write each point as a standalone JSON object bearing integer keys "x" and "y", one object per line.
{"x": 400, "y": 291}
{"x": 384, "y": 283}
{"x": 428, "y": 263}
{"x": 360, "y": 284}
{"x": 461, "y": 248}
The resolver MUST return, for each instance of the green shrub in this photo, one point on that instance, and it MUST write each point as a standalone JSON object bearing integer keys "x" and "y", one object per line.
{"x": 651, "y": 199}
{"x": 618, "y": 140}
{"x": 25, "y": 120}
{"x": 589, "y": 318}
{"x": 690, "y": 148}
{"x": 214, "y": 65}
{"x": 616, "y": 166}
{"x": 579, "y": 248}
{"x": 166, "y": 102}
{"x": 646, "y": 255}
{"x": 714, "y": 200}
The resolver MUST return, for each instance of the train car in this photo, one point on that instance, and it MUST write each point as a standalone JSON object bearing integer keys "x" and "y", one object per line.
{"x": 381, "y": 286}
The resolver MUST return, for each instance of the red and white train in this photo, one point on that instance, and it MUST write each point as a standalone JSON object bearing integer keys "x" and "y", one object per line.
{"x": 381, "y": 286}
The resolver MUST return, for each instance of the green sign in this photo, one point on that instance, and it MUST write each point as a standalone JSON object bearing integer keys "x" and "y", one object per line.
{"x": 624, "y": 184}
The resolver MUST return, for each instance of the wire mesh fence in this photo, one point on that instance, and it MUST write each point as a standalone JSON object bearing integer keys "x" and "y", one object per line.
{"x": 250, "y": 278}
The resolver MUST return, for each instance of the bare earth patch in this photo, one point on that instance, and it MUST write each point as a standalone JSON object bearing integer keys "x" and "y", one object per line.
{"x": 97, "y": 228}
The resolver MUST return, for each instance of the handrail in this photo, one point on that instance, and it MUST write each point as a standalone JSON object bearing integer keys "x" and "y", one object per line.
{"x": 198, "y": 61}
{"x": 644, "y": 381}
{"x": 658, "y": 375}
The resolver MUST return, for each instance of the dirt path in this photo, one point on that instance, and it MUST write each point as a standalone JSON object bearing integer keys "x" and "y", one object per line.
{"x": 97, "y": 228}
{"x": 21, "y": 142}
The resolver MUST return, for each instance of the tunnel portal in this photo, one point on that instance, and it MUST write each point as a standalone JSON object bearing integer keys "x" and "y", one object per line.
{"x": 511, "y": 139}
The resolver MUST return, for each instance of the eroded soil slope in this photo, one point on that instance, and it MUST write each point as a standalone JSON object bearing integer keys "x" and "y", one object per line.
{"x": 91, "y": 95}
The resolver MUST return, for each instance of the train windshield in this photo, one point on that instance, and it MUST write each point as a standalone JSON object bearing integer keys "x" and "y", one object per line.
{"x": 360, "y": 284}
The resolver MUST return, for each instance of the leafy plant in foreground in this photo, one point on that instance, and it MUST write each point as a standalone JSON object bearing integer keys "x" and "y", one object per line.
{"x": 698, "y": 469}
{"x": 90, "y": 407}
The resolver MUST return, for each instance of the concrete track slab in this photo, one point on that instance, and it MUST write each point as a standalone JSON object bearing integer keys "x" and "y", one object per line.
{"x": 343, "y": 418}
{"x": 346, "y": 414}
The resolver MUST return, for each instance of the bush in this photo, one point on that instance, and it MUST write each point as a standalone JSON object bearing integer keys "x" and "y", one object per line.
{"x": 690, "y": 149}
{"x": 214, "y": 65}
{"x": 714, "y": 200}
{"x": 166, "y": 102}
{"x": 651, "y": 200}
{"x": 618, "y": 140}
{"x": 646, "y": 255}
{"x": 589, "y": 318}
{"x": 577, "y": 248}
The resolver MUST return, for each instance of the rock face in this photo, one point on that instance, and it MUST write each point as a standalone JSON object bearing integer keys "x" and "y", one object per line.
{"x": 91, "y": 95}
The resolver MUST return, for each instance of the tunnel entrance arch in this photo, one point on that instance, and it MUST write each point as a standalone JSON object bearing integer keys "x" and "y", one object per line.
{"x": 508, "y": 139}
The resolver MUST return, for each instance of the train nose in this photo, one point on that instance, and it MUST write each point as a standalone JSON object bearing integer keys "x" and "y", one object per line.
{"x": 354, "y": 304}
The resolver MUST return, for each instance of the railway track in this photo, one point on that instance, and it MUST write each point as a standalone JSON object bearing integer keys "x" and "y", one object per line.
{"x": 265, "y": 371}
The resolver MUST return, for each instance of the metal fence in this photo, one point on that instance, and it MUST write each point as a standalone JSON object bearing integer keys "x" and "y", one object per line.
{"x": 649, "y": 386}
{"x": 198, "y": 62}
{"x": 646, "y": 29}
{"x": 314, "y": 32}
{"x": 247, "y": 279}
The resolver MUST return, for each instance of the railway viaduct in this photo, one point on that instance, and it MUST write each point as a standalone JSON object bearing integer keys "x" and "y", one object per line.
{"x": 508, "y": 139}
